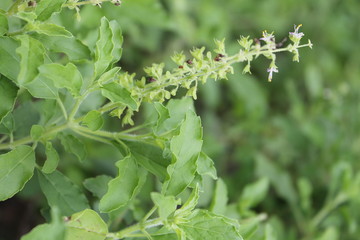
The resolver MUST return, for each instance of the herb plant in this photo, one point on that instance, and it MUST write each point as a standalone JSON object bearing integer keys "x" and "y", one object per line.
{"x": 75, "y": 92}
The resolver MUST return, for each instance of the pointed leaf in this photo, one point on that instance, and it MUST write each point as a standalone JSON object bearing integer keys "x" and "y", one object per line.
{"x": 67, "y": 76}
{"x": 31, "y": 53}
{"x": 97, "y": 185}
{"x": 45, "y": 8}
{"x": 150, "y": 157}
{"x": 54, "y": 230}
{"x": 254, "y": 193}
{"x": 166, "y": 204}
{"x": 73, "y": 145}
{"x": 206, "y": 225}
{"x": 8, "y": 93}
{"x": 117, "y": 94}
{"x": 205, "y": 166}
{"x": 71, "y": 46}
{"x": 4, "y": 27}
{"x": 86, "y": 225}
{"x": 61, "y": 192}
{"x": 42, "y": 87}
{"x": 49, "y": 29}
{"x": 16, "y": 168}
{"x": 185, "y": 148}
{"x": 122, "y": 188}
{"x": 190, "y": 204}
{"x": 220, "y": 198}
{"x": 10, "y": 61}
{"x": 117, "y": 40}
{"x": 104, "y": 47}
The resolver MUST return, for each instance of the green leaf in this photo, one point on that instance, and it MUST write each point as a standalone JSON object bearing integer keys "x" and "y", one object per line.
{"x": 67, "y": 76}
{"x": 124, "y": 186}
{"x": 185, "y": 148}
{"x": 150, "y": 157}
{"x": 220, "y": 198}
{"x": 170, "y": 119}
{"x": 45, "y": 8}
{"x": 104, "y": 47}
{"x": 72, "y": 47}
{"x": 42, "y": 87}
{"x": 36, "y": 132}
{"x": 109, "y": 75}
{"x": 52, "y": 159}
{"x": 166, "y": 204}
{"x": 4, "y": 26}
{"x": 16, "y": 168}
{"x": 97, "y": 185}
{"x": 31, "y": 53}
{"x": 86, "y": 225}
{"x": 7, "y": 125}
{"x": 61, "y": 192}
{"x": 8, "y": 93}
{"x": 254, "y": 193}
{"x": 190, "y": 204}
{"x": 205, "y": 166}
{"x": 54, "y": 230}
{"x": 117, "y": 94}
{"x": 93, "y": 120}
{"x": 117, "y": 40}
{"x": 206, "y": 225}
{"x": 49, "y": 29}
{"x": 10, "y": 61}
{"x": 73, "y": 145}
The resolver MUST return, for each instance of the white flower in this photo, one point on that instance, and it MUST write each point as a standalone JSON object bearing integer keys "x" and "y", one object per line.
{"x": 296, "y": 35}
{"x": 271, "y": 71}
{"x": 268, "y": 37}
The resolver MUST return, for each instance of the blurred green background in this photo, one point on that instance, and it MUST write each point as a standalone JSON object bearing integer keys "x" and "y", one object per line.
{"x": 301, "y": 133}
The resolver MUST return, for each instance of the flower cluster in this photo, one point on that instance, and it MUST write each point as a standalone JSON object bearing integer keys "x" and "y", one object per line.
{"x": 160, "y": 84}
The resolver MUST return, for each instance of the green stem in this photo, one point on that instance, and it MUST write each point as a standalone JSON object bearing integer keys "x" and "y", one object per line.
{"x": 28, "y": 139}
{"x": 340, "y": 199}
{"x": 138, "y": 227}
{"x": 62, "y": 107}
{"x": 76, "y": 4}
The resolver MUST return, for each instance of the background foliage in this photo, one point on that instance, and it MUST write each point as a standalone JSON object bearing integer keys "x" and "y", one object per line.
{"x": 287, "y": 151}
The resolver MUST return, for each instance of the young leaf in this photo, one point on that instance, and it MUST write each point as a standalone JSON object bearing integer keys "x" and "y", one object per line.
{"x": 16, "y": 168}
{"x": 93, "y": 120}
{"x": 31, "y": 53}
{"x": 61, "y": 192}
{"x": 104, "y": 47}
{"x": 220, "y": 198}
{"x": 150, "y": 157}
{"x": 185, "y": 148}
{"x": 206, "y": 225}
{"x": 205, "y": 166}
{"x": 54, "y": 230}
{"x": 4, "y": 27}
{"x": 124, "y": 186}
{"x": 166, "y": 204}
{"x": 10, "y": 61}
{"x": 52, "y": 159}
{"x": 254, "y": 193}
{"x": 36, "y": 132}
{"x": 67, "y": 76}
{"x": 97, "y": 185}
{"x": 117, "y": 94}
{"x": 73, "y": 145}
{"x": 86, "y": 225}
{"x": 45, "y": 8}
{"x": 8, "y": 93}
{"x": 71, "y": 46}
{"x": 42, "y": 87}
{"x": 109, "y": 75}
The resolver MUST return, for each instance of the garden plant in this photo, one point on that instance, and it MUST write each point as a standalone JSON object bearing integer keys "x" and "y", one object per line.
{"x": 111, "y": 152}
